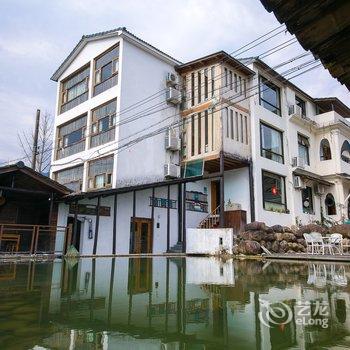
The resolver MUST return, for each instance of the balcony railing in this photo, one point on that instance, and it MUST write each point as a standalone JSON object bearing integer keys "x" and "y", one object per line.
{"x": 75, "y": 102}
{"x": 101, "y": 138}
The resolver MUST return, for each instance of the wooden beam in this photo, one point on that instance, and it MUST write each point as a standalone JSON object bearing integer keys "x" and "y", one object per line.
{"x": 179, "y": 212}
{"x": 25, "y": 191}
{"x": 97, "y": 224}
{"x": 75, "y": 224}
{"x": 168, "y": 221}
{"x": 251, "y": 192}
{"x": 184, "y": 218}
{"x": 222, "y": 191}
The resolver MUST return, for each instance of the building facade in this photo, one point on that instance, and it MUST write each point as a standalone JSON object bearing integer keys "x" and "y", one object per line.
{"x": 151, "y": 146}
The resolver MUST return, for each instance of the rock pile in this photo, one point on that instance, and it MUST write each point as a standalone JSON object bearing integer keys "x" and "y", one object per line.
{"x": 281, "y": 239}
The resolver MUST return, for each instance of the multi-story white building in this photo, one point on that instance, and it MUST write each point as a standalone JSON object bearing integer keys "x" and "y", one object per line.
{"x": 151, "y": 146}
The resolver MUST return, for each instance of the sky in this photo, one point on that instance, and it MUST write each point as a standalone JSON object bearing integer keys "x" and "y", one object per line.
{"x": 37, "y": 35}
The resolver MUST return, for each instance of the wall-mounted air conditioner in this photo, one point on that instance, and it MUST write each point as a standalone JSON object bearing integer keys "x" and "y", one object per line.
{"x": 171, "y": 171}
{"x": 295, "y": 110}
{"x": 319, "y": 189}
{"x": 173, "y": 96}
{"x": 298, "y": 182}
{"x": 172, "y": 79}
{"x": 172, "y": 142}
{"x": 298, "y": 162}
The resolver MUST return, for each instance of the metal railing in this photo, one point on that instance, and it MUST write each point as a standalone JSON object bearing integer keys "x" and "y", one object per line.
{"x": 33, "y": 239}
{"x": 211, "y": 220}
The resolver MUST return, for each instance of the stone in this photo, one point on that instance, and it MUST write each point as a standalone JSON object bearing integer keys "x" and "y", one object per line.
{"x": 343, "y": 229}
{"x": 275, "y": 246}
{"x": 301, "y": 241}
{"x": 255, "y": 235}
{"x": 288, "y": 229}
{"x": 284, "y": 245}
{"x": 277, "y": 228}
{"x": 249, "y": 248}
{"x": 289, "y": 237}
{"x": 312, "y": 228}
{"x": 269, "y": 237}
{"x": 279, "y": 236}
{"x": 255, "y": 226}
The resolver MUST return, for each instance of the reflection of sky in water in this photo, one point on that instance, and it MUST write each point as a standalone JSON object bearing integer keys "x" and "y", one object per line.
{"x": 159, "y": 303}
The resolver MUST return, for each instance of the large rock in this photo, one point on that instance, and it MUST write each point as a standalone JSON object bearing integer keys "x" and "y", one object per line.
{"x": 249, "y": 248}
{"x": 289, "y": 237}
{"x": 255, "y": 226}
{"x": 279, "y": 236}
{"x": 277, "y": 228}
{"x": 283, "y": 246}
{"x": 311, "y": 228}
{"x": 343, "y": 229}
{"x": 254, "y": 235}
{"x": 275, "y": 246}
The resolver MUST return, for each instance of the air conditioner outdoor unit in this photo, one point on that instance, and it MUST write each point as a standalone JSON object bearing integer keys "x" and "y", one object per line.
{"x": 295, "y": 110}
{"x": 171, "y": 171}
{"x": 319, "y": 189}
{"x": 172, "y": 142}
{"x": 298, "y": 182}
{"x": 172, "y": 79}
{"x": 298, "y": 162}
{"x": 173, "y": 96}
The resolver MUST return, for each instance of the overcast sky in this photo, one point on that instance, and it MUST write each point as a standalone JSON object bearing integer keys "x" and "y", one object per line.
{"x": 36, "y": 35}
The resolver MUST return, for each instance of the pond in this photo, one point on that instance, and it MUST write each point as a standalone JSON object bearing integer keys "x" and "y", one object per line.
{"x": 173, "y": 304}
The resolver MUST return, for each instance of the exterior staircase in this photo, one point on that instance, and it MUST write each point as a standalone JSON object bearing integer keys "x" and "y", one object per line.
{"x": 177, "y": 248}
{"x": 212, "y": 220}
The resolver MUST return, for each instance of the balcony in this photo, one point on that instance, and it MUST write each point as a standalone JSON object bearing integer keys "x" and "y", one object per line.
{"x": 70, "y": 150}
{"x": 75, "y": 102}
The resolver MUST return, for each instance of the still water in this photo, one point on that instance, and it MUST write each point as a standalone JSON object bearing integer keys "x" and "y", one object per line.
{"x": 173, "y": 304}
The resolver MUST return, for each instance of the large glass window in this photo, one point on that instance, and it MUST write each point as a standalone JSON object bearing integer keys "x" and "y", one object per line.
{"x": 71, "y": 138}
{"x": 271, "y": 143}
{"x": 103, "y": 124}
{"x": 269, "y": 96}
{"x": 330, "y": 205}
{"x": 106, "y": 70}
{"x": 325, "y": 150}
{"x": 301, "y": 103}
{"x": 307, "y": 201}
{"x": 71, "y": 178}
{"x": 100, "y": 172}
{"x": 303, "y": 148}
{"x": 345, "y": 152}
{"x": 274, "y": 192}
{"x": 74, "y": 90}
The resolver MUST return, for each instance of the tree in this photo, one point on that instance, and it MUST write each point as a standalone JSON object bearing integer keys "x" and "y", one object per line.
{"x": 26, "y": 140}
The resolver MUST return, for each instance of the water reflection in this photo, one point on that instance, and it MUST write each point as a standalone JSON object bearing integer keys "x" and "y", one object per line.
{"x": 192, "y": 303}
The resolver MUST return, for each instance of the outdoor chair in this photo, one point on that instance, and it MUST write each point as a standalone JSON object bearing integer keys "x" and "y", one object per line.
{"x": 319, "y": 244}
{"x": 338, "y": 276}
{"x": 310, "y": 243}
{"x": 336, "y": 241}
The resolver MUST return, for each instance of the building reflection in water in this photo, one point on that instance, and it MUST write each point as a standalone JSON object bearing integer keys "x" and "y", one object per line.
{"x": 175, "y": 303}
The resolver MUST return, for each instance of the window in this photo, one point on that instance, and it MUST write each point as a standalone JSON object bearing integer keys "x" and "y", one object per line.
{"x": 345, "y": 152}
{"x": 100, "y": 173}
{"x": 206, "y": 87}
{"x": 227, "y": 122}
{"x": 271, "y": 143}
{"x": 240, "y": 85}
{"x": 199, "y": 87}
{"x": 236, "y": 83}
{"x": 206, "y": 131}
{"x": 192, "y": 135}
{"x": 212, "y": 81}
{"x": 231, "y": 122}
{"x": 74, "y": 90}
{"x": 303, "y": 148}
{"x": 330, "y": 205}
{"x": 274, "y": 193}
{"x": 192, "y": 89}
{"x": 246, "y": 129}
{"x": 71, "y": 138}
{"x": 231, "y": 80}
{"x": 103, "y": 124}
{"x": 237, "y": 127}
{"x": 226, "y": 77}
{"x": 199, "y": 133}
{"x": 269, "y": 96}
{"x": 71, "y": 178}
{"x": 301, "y": 103}
{"x": 325, "y": 150}
{"x": 307, "y": 201}
{"x": 106, "y": 70}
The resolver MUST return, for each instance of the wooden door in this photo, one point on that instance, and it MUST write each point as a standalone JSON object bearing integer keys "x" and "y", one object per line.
{"x": 142, "y": 241}
{"x": 215, "y": 195}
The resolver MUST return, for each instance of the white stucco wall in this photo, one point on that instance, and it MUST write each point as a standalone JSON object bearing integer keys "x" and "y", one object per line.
{"x": 207, "y": 241}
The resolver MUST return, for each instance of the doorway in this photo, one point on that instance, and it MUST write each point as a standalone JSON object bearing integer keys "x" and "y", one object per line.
{"x": 215, "y": 194}
{"x": 141, "y": 236}
{"x": 75, "y": 240}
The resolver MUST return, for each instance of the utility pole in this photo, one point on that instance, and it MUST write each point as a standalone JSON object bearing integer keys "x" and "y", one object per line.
{"x": 35, "y": 140}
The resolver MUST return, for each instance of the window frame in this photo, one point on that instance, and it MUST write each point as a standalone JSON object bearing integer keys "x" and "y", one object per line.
{"x": 284, "y": 205}
{"x": 281, "y": 133}
{"x": 302, "y": 104}
{"x": 310, "y": 209}
{"x": 265, "y": 81}
{"x": 301, "y": 136}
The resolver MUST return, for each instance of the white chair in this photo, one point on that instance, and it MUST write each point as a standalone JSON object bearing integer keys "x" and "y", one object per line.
{"x": 336, "y": 241}
{"x": 318, "y": 242}
{"x": 309, "y": 243}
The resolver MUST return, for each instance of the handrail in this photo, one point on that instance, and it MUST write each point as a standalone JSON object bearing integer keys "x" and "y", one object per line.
{"x": 210, "y": 219}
